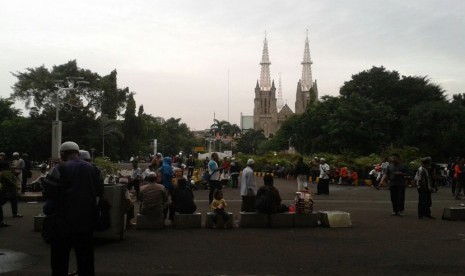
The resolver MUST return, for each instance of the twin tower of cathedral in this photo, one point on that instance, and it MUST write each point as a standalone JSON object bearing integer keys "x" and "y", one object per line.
{"x": 269, "y": 113}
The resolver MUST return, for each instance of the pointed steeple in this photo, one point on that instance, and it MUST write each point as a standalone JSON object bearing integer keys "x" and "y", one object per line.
{"x": 306, "y": 80}
{"x": 257, "y": 86}
{"x": 265, "y": 83}
{"x": 280, "y": 102}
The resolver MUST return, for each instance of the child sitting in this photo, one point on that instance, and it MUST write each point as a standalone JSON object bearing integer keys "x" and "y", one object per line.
{"x": 218, "y": 204}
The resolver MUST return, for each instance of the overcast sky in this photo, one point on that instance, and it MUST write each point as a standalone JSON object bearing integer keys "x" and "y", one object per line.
{"x": 176, "y": 54}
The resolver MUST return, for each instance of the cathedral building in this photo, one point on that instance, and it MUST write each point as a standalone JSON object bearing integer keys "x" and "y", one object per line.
{"x": 270, "y": 112}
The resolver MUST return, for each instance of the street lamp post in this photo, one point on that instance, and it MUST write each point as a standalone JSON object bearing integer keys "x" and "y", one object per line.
{"x": 57, "y": 125}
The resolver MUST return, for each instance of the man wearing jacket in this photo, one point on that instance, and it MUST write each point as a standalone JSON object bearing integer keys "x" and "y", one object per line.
{"x": 71, "y": 190}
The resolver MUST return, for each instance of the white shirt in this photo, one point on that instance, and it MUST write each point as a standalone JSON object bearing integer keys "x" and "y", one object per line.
{"x": 248, "y": 181}
{"x": 324, "y": 171}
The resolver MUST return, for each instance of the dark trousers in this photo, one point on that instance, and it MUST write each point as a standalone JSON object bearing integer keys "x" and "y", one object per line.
{"x": 190, "y": 173}
{"x": 458, "y": 187}
{"x": 220, "y": 213}
{"x": 397, "y": 198}
{"x": 235, "y": 180}
{"x": 2, "y": 201}
{"x": 14, "y": 205}
{"x": 315, "y": 175}
{"x": 323, "y": 186}
{"x": 84, "y": 251}
{"x": 424, "y": 204}
{"x": 374, "y": 182}
{"x": 24, "y": 182}
{"x": 248, "y": 203}
{"x": 214, "y": 185}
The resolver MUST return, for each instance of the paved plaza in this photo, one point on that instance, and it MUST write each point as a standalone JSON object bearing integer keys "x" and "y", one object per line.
{"x": 376, "y": 244}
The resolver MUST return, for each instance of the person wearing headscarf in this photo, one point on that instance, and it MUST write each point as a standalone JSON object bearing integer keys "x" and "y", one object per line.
{"x": 167, "y": 173}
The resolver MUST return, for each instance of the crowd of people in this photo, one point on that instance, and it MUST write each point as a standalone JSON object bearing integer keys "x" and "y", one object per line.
{"x": 73, "y": 186}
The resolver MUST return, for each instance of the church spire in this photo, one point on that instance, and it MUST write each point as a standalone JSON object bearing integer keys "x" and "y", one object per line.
{"x": 306, "y": 68}
{"x": 265, "y": 83}
{"x": 280, "y": 102}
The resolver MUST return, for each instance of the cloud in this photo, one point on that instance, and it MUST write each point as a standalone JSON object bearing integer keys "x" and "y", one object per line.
{"x": 176, "y": 54}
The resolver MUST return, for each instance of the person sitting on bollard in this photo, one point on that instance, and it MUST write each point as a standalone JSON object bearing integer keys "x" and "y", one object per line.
{"x": 183, "y": 198}
{"x": 153, "y": 197}
{"x": 268, "y": 199}
{"x": 218, "y": 207}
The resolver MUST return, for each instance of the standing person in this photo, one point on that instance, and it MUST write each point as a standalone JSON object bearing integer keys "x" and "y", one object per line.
{"x": 354, "y": 178}
{"x": 8, "y": 191}
{"x": 225, "y": 171}
{"x": 424, "y": 186}
{"x": 344, "y": 176}
{"x": 167, "y": 175}
{"x": 384, "y": 166}
{"x": 235, "y": 169}
{"x": 71, "y": 190}
{"x": 26, "y": 172}
{"x": 136, "y": 177}
{"x": 459, "y": 177}
{"x": 18, "y": 166}
{"x": 301, "y": 173}
{"x": 157, "y": 161}
{"x": 323, "y": 183}
{"x": 214, "y": 172}
{"x": 315, "y": 169}
{"x": 4, "y": 166}
{"x": 190, "y": 163}
{"x": 205, "y": 163}
{"x": 396, "y": 173}
{"x": 9, "y": 185}
{"x": 248, "y": 188}
{"x": 374, "y": 173}
{"x": 451, "y": 169}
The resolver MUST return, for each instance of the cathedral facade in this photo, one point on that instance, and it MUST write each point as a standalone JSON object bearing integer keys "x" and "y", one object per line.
{"x": 270, "y": 112}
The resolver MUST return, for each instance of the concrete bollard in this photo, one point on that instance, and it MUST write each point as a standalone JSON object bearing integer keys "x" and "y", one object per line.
{"x": 220, "y": 223}
{"x": 254, "y": 220}
{"x": 282, "y": 220}
{"x": 183, "y": 221}
{"x": 38, "y": 222}
{"x": 453, "y": 213}
{"x": 307, "y": 220}
{"x": 336, "y": 219}
{"x": 150, "y": 222}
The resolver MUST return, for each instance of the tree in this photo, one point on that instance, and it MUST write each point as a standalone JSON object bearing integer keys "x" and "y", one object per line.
{"x": 111, "y": 134}
{"x": 387, "y": 87}
{"x": 113, "y": 98}
{"x": 175, "y": 137}
{"x": 37, "y": 88}
{"x": 14, "y": 136}
{"x": 437, "y": 128}
{"x": 250, "y": 141}
{"x": 131, "y": 129}
{"x": 7, "y": 111}
{"x": 372, "y": 113}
